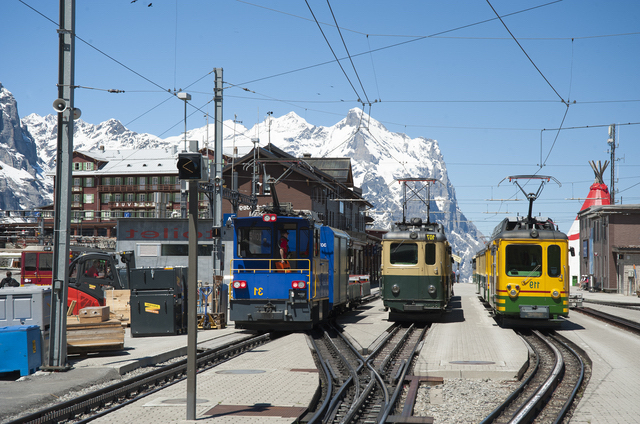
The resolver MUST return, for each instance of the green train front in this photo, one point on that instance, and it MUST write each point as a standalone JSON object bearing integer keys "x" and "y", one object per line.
{"x": 525, "y": 267}
{"x": 416, "y": 277}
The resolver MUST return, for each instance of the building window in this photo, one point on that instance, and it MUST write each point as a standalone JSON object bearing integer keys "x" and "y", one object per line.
{"x": 105, "y": 214}
{"x": 77, "y": 166}
{"x": 77, "y": 198}
{"x": 154, "y": 180}
{"x": 88, "y": 166}
{"x": 106, "y": 181}
{"x": 131, "y": 180}
{"x": 118, "y": 181}
{"x": 88, "y": 214}
{"x": 117, "y": 197}
{"x": 77, "y": 182}
{"x": 106, "y": 197}
{"x": 142, "y": 181}
{"x": 88, "y": 198}
{"x": 88, "y": 182}
{"x": 142, "y": 197}
{"x": 131, "y": 197}
{"x": 166, "y": 180}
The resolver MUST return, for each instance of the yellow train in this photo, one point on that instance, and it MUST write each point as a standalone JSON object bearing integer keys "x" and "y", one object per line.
{"x": 523, "y": 271}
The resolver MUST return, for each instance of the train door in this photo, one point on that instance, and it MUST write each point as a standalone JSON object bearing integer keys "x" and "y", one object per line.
{"x": 493, "y": 278}
{"x": 37, "y": 268}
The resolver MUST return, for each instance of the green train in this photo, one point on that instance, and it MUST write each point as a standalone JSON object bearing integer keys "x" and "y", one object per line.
{"x": 417, "y": 271}
{"x": 523, "y": 271}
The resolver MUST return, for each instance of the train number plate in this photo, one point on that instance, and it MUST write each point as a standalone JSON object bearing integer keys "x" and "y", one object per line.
{"x": 534, "y": 311}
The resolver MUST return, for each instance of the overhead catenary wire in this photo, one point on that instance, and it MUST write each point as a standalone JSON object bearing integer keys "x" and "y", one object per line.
{"x": 348, "y": 54}
{"x": 332, "y": 51}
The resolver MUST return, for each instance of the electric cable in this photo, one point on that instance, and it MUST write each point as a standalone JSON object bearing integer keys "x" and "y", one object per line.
{"x": 332, "y": 52}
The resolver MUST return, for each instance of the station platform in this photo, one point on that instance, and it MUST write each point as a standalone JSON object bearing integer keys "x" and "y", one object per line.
{"x": 272, "y": 384}
{"x": 468, "y": 343}
{"x": 612, "y": 393}
{"x": 605, "y": 297}
{"x": 34, "y": 391}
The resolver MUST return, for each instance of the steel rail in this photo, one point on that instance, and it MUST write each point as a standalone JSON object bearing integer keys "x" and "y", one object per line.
{"x": 136, "y": 387}
{"x": 401, "y": 375}
{"x": 329, "y": 377}
{"x": 621, "y": 322}
{"x": 528, "y": 410}
{"x": 503, "y": 406}
{"x": 574, "y": 392}
{"x": 353, "y": 375}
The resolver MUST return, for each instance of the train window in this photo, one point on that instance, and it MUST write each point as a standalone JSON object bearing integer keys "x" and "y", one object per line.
{"x": 430, "y": 254}
{"x": 524, "y": 260}
{"x": 30, "y": 261}
{"x": 254, "y": 241}
{"x": 553, "y": 260}
{"x": 46, "y": 262}
{"x": 403, "y": 253}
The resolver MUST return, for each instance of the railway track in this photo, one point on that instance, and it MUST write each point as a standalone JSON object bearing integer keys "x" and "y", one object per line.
{"x": 555, "y": 375}
{"x": 623, "y": 323}
{"x": 103, "y": 401}
{"x": 359, "y": 390}
{"x": 625, "y": 305}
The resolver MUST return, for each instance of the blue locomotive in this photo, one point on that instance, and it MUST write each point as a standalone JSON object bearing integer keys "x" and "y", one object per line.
{"x": 290, "y": 282}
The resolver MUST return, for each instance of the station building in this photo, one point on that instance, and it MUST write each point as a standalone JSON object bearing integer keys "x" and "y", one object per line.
{"x": 610, "y": 247}
{"x": 111, "y": 186}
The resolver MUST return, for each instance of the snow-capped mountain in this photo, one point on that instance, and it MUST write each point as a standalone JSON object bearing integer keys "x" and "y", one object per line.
{"x": 379, "y": 158}
{"x": 22, "y": 178}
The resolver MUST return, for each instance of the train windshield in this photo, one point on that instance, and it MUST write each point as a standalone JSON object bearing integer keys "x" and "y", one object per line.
{"x": 430, "y": 254}
{"x": 254, "y": 242}
{"x": 524, "y": 260}
{"x": 553, "y": 260}
{"x": 404, "y": 253}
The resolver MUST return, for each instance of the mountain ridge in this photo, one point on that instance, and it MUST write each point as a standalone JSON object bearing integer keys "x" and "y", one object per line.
{"x": 379, "y": 159}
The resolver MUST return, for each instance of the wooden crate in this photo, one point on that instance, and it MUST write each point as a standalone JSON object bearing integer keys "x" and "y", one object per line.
{"x": 94, "y": 314}
{"x": 119, "y": 303}
{"x": 83, "y": 337}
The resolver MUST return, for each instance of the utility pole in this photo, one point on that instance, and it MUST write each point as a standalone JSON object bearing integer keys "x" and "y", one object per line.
{"x": 217, "y": 181}
{"x": 269, "y": 115}
{"x": 612, "y": 142}
{"x": 64, "y": 105}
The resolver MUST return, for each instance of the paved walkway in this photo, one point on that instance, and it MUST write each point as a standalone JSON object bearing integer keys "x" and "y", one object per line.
{"x": 272, "y": 384}
{"x": 613, "y": 393}
{"x": 469, "y": 344}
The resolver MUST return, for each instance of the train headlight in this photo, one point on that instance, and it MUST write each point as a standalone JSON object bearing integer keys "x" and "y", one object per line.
{"x": 395, "y": 289}
{"x": 298, "y": 284}
{"x": 432, "y": 289}
{"x": 513, "y": 293}
{"x": 555, "y": 294}
{"x": 239, "y": 284}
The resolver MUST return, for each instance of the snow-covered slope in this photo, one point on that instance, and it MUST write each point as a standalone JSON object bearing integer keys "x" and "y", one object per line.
{"x": 379, "y": 158}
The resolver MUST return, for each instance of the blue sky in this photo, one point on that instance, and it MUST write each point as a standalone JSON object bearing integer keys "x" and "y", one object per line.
{"x": 450, "y": 71}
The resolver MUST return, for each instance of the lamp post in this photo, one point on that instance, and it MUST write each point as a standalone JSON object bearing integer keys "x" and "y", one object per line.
{"x": 269, "y": 113}
{"x": 183, "y": 185}
{"x": 186, "y": 97}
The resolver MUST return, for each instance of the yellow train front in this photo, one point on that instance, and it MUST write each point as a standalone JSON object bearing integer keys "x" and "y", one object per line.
{"x": 523, "y": 273}
{"x": 416, "y": 276}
